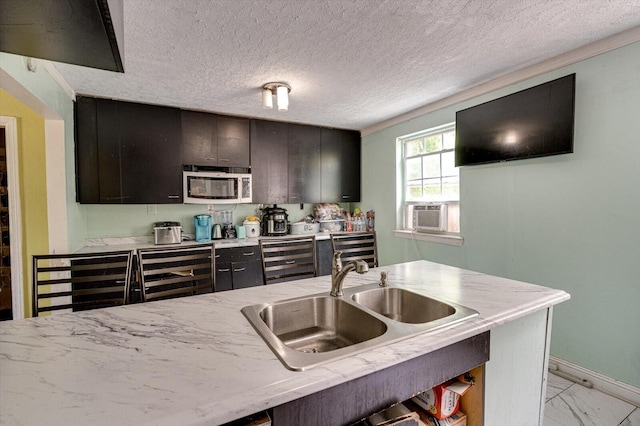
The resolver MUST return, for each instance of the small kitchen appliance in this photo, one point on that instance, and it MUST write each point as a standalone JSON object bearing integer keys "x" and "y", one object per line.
{"x": 241, "y": 232}
{"x": 216, "y": 232}
{"x": 202, "y": 224}
{"x": 208, "y": 187}
{"x": 228, "y": 230}
{"x": 252, "y": 226}
{"x": 167, "y": 233}
{"x": 274, "y": 221}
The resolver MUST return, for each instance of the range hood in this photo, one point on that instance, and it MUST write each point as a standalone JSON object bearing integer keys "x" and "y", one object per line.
{"x": 89, "y": 33}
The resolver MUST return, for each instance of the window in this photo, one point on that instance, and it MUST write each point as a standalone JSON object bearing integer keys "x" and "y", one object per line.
{"x": 431, "y": 179}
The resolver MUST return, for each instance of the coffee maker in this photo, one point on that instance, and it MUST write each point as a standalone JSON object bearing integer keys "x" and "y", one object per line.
{"x": 202, "y": 225}
{"x": 274, "y": 221}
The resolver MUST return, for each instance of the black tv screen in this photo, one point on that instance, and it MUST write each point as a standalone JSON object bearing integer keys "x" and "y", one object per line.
{"x": 535, "y": 122}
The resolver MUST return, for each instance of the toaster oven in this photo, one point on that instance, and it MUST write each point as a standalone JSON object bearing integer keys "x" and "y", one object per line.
{"x": 167, "y": 233}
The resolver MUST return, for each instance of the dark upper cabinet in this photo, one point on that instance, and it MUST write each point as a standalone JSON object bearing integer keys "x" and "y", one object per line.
{"x": 340, "y": 166}
{"x": 130, "y": 153}
{"x": 350, "y": 167}
{"x": 234, "y": 141}
{"x": 269, "y": 162}
{"x": 87, "y": 184}
{"x": 331, "y": 165}
{"x": 215, "y": 140}
{"x": 304, "y": 144}
{"x": 108, "y": 139}
{"x": 150, "y": 149}
{"x": 199, "y": 138}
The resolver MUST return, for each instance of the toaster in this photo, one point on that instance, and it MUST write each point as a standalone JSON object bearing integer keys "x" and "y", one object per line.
{"x": 167, "y": 232}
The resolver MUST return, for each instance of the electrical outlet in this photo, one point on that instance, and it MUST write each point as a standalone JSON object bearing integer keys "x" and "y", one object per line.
{"x": 152, "y": 209}
{"x": 211, "y": 208}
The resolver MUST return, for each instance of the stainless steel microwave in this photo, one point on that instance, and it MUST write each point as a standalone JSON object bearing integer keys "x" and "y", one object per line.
{"x": 201, "y": 187}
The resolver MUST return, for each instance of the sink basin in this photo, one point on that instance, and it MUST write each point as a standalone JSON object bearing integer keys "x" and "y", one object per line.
{"x": 309, "y": 331}
{"x": 403, "y": 305}
{"x": 320, "y": 324}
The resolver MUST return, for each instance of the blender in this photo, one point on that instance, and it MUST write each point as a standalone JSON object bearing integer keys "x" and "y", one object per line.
{"x": 228, "y": 230}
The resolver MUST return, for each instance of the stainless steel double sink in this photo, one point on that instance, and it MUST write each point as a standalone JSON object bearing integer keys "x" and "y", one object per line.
{"x": 308, "y": 331}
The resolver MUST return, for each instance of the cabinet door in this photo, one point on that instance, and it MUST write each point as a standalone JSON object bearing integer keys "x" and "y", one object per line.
{"x": 304, "y": 145}
{"x": 150, "y": 154}
{"x": 109, "y": 167}
{"x": 269, "y": 162}
{"x": 199, "y": 138}
{"x": 86, "y": 139}
{"x": 331, "y": 166}
{"x": 234, "y": 147}
{"x": 350, "y": 173}
{"x": 324, "y": 256}
{"x": 224, "y": 280}
{"x": 246, "y": 274}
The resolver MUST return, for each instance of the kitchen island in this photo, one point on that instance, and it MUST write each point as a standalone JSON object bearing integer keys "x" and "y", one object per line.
{"x": 197, "y": 360}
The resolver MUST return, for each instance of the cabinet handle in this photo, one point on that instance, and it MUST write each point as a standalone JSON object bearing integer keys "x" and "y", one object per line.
{"x": 344, "y": 197}
{"x": 239, "y": 269}
{"x": 224, "y": 270}
{"x": 248, "y": 254}
{"x": 173, "y": 197}
{"x": 217, "y": 256}
{"x": 290, "y": 262}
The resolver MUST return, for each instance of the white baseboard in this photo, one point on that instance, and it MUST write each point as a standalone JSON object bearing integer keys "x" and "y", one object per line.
{"x": 605, "y": 384}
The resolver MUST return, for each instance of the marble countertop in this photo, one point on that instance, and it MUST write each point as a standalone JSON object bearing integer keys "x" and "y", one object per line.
{"x": 95, "y": 245}
{"x": 197, "y": 361}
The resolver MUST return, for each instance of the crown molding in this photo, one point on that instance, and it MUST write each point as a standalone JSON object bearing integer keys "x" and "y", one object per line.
{"x": 585, "y": 52}
{"x": 55, "y": 74}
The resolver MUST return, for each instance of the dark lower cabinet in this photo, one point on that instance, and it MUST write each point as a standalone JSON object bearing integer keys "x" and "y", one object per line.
{"x": 324, "y": 256}
{"x": 238, "y": 267}
{"x": 246, "y": 274}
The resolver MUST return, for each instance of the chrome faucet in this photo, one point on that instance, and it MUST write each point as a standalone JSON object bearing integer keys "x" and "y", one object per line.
{"x": 338, "y": 272}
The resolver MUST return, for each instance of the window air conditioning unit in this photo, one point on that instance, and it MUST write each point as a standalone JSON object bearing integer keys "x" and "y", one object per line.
{"x": 430, "y": 217}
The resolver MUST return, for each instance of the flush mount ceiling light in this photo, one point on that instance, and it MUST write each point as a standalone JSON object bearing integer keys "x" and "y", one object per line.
{"x": 281, "y": 90}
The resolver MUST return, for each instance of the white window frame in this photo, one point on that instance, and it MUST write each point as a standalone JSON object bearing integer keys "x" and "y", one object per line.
{"x": 452, "y": 238}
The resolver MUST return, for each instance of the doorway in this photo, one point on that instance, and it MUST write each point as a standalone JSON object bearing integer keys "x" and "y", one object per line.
{"x": 6, "y": 312}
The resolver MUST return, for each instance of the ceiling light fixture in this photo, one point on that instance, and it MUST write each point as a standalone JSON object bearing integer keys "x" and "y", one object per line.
{"x": 281, "y": 90}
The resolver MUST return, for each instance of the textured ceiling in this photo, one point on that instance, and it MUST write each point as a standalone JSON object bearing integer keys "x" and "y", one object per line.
{"x": 351, "y": 63}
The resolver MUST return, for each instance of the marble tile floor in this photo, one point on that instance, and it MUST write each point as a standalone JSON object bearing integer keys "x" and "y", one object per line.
{"x": 571, "y": 404}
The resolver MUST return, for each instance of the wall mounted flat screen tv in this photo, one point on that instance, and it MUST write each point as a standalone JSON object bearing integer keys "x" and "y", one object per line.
{"x": 535, "y": 122}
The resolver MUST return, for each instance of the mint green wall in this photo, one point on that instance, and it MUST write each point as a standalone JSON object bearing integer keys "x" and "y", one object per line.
{"x": 568, "y": 222}
{"x": 49, "y": 92}
{"x": 134, "y": 220}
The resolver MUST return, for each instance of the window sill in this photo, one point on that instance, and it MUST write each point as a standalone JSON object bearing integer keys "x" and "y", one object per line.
{"x": 452, "y": 240}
